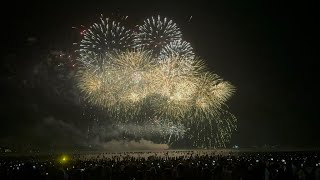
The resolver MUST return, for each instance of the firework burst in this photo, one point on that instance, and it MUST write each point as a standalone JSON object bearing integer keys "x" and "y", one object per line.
{"x": 135, "y": 68}
{"x": 177, "y": 48}
{"x": 120, "y": 85}
{"x": 157, "y": 32}
{"x": 212, "y": 93}
{"x": 158, "y": 87}
{"x": 102, "y": 38}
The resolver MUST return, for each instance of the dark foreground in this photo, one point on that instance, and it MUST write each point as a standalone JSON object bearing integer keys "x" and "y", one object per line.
{"x": 224, "y": 165}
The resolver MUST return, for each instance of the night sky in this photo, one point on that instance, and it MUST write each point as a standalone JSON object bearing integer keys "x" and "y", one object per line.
{"x": 267, "y": 50}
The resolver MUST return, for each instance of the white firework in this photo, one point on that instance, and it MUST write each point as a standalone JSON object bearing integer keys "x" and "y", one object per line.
{"x": 103, "y": 37}
{"x": 155, "y": 33}
{"x": 177, "y": 48}
{"x": 169, "y": 129}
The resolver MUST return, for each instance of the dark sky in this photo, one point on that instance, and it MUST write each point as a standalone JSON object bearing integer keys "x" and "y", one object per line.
{"x": 268, "y": 50}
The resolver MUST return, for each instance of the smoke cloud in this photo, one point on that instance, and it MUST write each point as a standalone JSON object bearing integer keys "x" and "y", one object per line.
{"x": 124, "y": 145}
{"x": 59, "y": 133}
{"x": 62, "y": 133}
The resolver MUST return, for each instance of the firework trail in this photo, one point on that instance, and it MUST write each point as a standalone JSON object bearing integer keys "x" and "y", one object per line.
{"x": 156, "y": 128}
{"x": 214, "y": 132}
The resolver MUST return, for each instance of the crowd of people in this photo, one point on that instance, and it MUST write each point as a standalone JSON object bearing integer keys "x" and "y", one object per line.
{"x": 166, "y": 165}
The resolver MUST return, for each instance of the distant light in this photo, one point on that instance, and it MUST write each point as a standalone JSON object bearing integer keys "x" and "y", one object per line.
{"x": 64, "y": 159}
